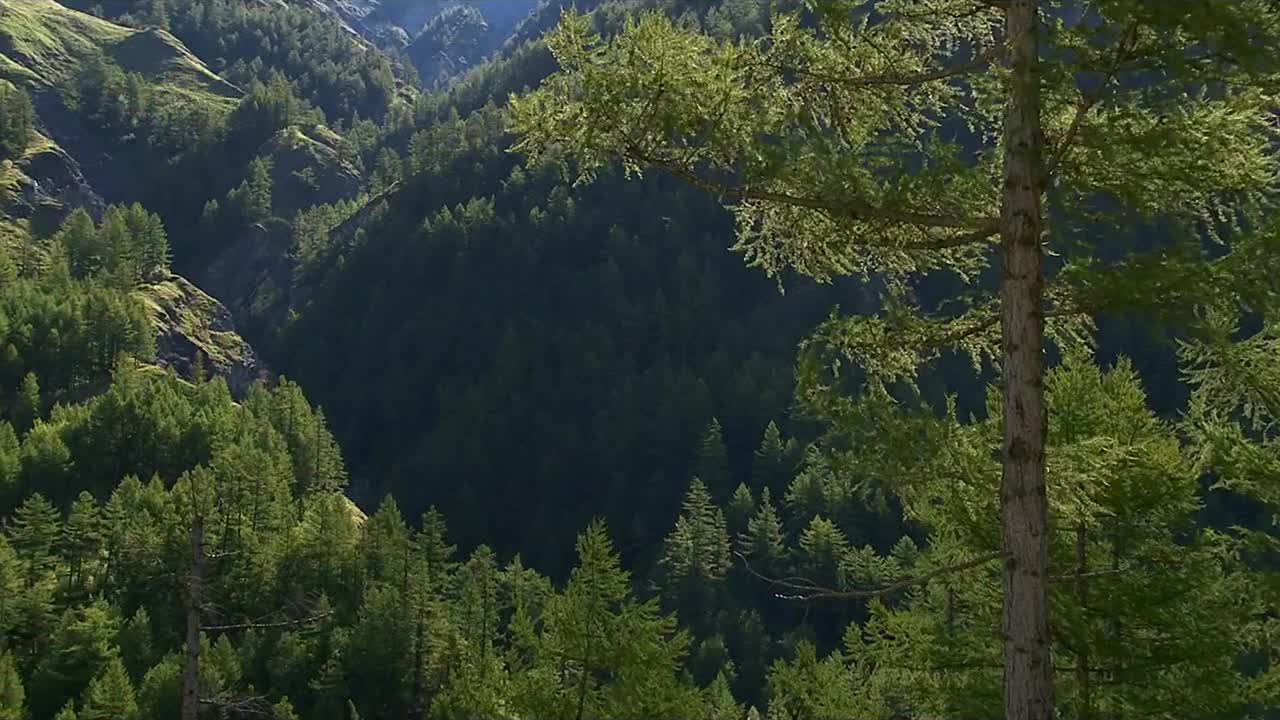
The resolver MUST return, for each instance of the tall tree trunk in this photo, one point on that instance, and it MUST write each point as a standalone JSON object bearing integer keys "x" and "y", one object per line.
{"x": 195, "y": 603}
{"x": 1028, "y": 672}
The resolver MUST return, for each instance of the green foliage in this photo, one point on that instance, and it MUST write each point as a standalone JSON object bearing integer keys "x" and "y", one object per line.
{"x": 268, "y": 107}
{"x": 313, "y": 53}
{"x": 651, "y": 322}
{"x": 130, "y": 246}
{"x": 12, "y": 696}
{"x": 110, "y": 695}
{"x": 712, "y": 464}
{"x": 251, "y": 200}
{"x": 843, "y": 151}
{"x": 17, "y": 118}
{"x": 528, "y": 333}
{"x": 27, "y": 407}
{"x": 594, "y": 630}
{"x": 770, "y": 465}
{"x": 68, "y": 333}
{"x": 763, "y": 541}
{"x": 115, "y": 101}
{"x": 10, "y": 464}
{"x": 696, "y": 557}
{"x": 160, "y": 694}
{"x": 35, "y": 531}
{"x": 741, "y": 508}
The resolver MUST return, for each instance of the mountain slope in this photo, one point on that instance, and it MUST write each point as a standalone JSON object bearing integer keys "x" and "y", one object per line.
{"x": 45, "y": 45}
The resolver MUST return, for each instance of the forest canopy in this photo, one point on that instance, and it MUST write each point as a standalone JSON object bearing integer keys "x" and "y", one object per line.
{"x": 738, "y": 360}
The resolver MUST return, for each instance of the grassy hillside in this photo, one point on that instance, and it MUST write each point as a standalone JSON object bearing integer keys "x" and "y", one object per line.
{"x": 43, "y": 45}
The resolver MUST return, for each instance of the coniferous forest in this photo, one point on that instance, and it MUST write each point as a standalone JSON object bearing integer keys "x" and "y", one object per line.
{"x": 640, "y": 359}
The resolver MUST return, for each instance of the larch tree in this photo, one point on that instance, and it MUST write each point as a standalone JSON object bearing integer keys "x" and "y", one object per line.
{"x": 1153, "y": 610}
{"x": 901, "y": 139}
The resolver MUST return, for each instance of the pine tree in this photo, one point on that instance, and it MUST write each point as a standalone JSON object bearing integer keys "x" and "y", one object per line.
{"x": 386, "y": 546}
{"x": 822, "y": 552}
{"x": 109, "y": 695}
{"x": 712, "y": 463}
{"x": 157, "y": 13}
{"x": 769, "y": 463}
{"x": 17, "y": 117}
{"x": 12, "y": 697}
{"x": 8, "y": 265}
{"x": 137, "y": 644}
{"x": 27, "y": 407}
{"x": 150, "y": 244}
{"x": 1153, "y": 609}
{"x": 330, "y": 690}
{"x": 10, "y": 465}
{"x": 720, "y": 702}
{"x": 434, "y": 547}
{"x": 254, "y": 195}
{"x": 46, "y": 460}
{"x": 160, "y": 693}
{"x": 12, "y": 585}
{"x": 36, "y": 529}
{"x": 805, "y": 134}
{"x": 79, "y": 236}
{"x": 742, "y": 506}
{"x": 478, "y": 605}
{"x": 696, "y": 555}
{"x": 763, "y": 542}
{"x": 82, "y": 537}
{"x": 600, "y": 653}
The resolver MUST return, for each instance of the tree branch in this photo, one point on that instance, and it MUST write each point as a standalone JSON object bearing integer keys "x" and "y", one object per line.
{"x": 255, "y": 705}
{"x": 268, "y": 626}
{"x": 1087, "y": 101}
{"x": 813, "y": 592}
{"x": 848, "y": 206}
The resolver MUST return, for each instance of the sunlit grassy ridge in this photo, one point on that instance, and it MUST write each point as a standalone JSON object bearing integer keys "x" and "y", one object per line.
{"x": 45, "y": 44}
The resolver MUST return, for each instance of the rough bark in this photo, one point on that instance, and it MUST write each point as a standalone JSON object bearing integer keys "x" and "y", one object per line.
{"x": 1028, "y": 671}
{"x": 195, "y": 603}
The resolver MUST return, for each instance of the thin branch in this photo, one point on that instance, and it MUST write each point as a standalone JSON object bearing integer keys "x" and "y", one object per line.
{"x": 1087, "y": 575}
{"x": 220, "y": 554}
{"x": 268, "y": 626}
{"x": 1087, "y": 101}
{"x": 819, "y": 593}
{"x": 253, "y": 705}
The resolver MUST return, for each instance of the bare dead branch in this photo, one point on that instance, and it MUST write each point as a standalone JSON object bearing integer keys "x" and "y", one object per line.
{"x": 299, "y": 622}
{"x": 248, "y": 705}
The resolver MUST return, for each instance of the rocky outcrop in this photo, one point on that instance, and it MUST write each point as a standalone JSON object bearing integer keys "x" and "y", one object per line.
{"x": 49, "y": 185}
{"x": 190, "y": 324}
{"x": 252, "y": 275}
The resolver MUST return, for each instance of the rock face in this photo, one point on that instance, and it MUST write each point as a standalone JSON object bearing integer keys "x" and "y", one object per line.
{"x": 190, "y": 323}
{"x": 48, "y": 185}
{"x": 307, "y": 169}
{"x": 453, "y": 41}
{"x": 253, "y": 271}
